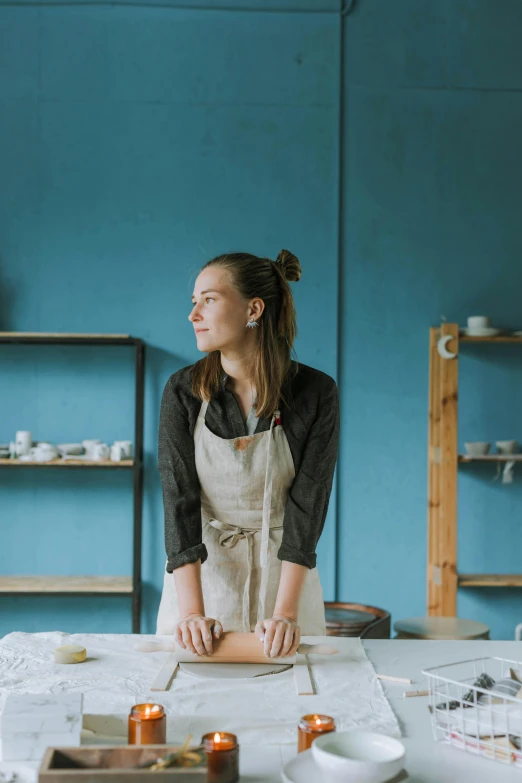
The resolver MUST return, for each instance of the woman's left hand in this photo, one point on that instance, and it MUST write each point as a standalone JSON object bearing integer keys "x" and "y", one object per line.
{"x": 280, "y": 636}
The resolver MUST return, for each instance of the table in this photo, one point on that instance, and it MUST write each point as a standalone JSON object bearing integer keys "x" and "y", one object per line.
{"x": 427, "y": 761}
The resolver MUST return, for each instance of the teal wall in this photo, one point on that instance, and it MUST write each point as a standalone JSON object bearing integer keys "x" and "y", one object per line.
{"x": 136, "y": 142}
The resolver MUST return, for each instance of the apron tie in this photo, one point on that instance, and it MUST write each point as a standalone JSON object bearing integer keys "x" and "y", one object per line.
{"x": 229, "y": 537}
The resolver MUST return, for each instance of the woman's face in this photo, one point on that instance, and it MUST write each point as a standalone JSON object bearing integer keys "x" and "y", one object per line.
{"x": 220, "y": 314}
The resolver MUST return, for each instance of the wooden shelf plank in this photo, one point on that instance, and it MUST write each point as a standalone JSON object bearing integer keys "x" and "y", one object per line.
{"x": 69, "y": 335}
{"x": 501, "y": 338}
{"x": 66, "y": 584}
{"x": 491, "y": 458}
{"x": 490, "y": 580}
{"x": 68, "y": 463}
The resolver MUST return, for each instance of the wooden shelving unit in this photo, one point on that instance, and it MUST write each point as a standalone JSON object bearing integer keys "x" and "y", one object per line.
{"x": 443, "y": 463}
{"x": 90, "y": 585}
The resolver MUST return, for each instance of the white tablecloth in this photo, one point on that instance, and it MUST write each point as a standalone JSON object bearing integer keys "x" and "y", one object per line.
{"x": 262, "y": 712}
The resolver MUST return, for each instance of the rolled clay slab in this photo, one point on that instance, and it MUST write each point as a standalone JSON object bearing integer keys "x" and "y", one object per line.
{"x": 234, "y": 647}
{"x": 232, "y": 671}
{"x": 70, "y": 653}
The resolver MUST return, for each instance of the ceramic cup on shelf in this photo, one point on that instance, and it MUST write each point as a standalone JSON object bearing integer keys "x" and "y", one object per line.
{"x": 478, "y": 322}
{"x": 42, "y": 452}
{"x": 126, "y": 448}
{"x": 89, "y": 445}
{"x": 117, "y": 452}
{"x": 477, "y": 448}
{"x": 23, "y": 442}
{"x": 506, "y": 446}
{"x": 100, "y": 451}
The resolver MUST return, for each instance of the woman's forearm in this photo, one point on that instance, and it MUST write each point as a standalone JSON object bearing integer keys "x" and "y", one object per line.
{"x": 291, "y": 586}
{"x": 188, "y": 587}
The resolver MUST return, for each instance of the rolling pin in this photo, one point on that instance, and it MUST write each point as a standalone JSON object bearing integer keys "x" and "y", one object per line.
{"x": 234, "y": 647}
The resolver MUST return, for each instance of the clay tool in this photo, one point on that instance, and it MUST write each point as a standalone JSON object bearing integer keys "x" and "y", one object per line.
{"x": 166, "y": 674}
{"x": 389, "y": 678}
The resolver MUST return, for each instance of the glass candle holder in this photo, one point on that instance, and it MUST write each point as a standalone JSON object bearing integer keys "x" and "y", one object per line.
{"x": 222, "y": 757}
{"x": 310, "y": 727}
{"x": 147, "y": 725}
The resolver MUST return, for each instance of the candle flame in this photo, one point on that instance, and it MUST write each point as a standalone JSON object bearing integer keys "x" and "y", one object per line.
{"x": 318, "y": 721}
{"x": 217, "y": 737}
{"x": 147, "y": 711}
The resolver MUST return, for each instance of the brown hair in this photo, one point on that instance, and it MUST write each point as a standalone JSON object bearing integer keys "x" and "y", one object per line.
{"x": 271, "y": 367}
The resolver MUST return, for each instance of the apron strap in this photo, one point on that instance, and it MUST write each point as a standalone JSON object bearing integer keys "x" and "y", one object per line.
{"x": 267, "y": 498}
{"x": 203, "y": 409}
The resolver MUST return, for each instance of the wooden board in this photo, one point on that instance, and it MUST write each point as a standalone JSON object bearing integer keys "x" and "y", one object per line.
{"x": 166, "y": 674}
{"x": 490, "y": 580}
{"x": 67, "y": 463}
{"x": 112, "y": 763}
{"x": 447, "y": 523}
{"x": 66, "y": 584}
{"x": 79, "y": 335}
{"x": 303, "y": 680}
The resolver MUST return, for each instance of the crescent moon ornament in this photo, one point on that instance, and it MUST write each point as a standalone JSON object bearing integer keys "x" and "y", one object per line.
{"x": 442, "y": 347}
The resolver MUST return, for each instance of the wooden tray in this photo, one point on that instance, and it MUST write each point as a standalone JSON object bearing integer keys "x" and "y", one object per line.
{"x": 112, "y": 763}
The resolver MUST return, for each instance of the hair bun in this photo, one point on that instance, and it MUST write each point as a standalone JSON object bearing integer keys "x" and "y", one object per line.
{"x": 289, "y": 265}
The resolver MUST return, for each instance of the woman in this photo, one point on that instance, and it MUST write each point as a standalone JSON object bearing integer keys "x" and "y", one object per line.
{"x": 247, "y": 450}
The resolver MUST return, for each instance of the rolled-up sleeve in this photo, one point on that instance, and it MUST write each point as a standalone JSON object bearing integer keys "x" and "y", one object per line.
{"x": 179, "y": 480}
{"x": 309, "y": 495}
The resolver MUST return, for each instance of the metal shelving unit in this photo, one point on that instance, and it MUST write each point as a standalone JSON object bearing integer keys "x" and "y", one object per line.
{"x": 90, "y": 585}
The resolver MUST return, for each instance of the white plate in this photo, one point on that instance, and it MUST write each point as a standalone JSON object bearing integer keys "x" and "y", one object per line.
{"x": 486, "y": 332}
{"x": 303, "y": 769}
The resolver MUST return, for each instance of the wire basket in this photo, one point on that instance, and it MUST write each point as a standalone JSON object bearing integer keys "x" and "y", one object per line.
{"x": 471, "y": 716}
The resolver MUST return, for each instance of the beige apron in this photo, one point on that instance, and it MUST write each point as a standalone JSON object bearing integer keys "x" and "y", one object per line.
{"x": 244, "y": 486}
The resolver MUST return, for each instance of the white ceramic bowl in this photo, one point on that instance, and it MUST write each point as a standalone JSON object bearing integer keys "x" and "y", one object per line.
{"x": 70, "y": 448}
{"x": 358, "y": 756}
{"x": 477, "y": 448}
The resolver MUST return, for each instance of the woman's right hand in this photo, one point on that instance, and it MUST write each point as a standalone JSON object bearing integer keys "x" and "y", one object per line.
{"x": 195, "y": 633}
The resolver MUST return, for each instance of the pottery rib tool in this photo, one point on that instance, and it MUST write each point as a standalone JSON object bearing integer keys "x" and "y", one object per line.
{"x": 166, "y": 674}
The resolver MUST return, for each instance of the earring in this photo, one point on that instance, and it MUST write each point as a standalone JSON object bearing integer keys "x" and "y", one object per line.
{"x": 252, "y": 324}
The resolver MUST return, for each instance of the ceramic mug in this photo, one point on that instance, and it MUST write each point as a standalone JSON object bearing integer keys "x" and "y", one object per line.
{"x": 506, "y": 446}
{"x": 126, "y": 447}
{"x": 99, "y": 451}
{"x": 89, "y": 445}
{"x": 117, "y": 452}
{"x": 23, "y": 442}
{"x": 479, "y": 322}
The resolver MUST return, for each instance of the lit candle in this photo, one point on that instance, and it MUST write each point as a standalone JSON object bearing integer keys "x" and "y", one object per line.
{"x": 222, "y": 757}
{"x": 310, "y": 727}
{"x": 147, "y": 725}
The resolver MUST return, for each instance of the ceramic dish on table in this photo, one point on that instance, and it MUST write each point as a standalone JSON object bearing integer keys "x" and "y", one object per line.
{"x": 358, "y": 756}
{"x": 303, "y": 769}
